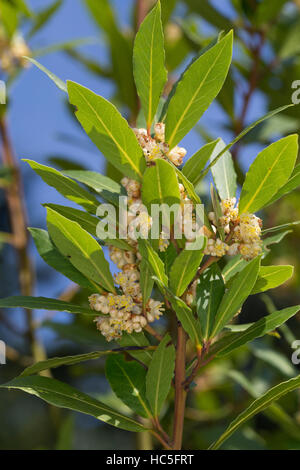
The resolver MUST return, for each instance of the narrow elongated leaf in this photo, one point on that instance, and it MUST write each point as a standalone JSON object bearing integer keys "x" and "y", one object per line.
{"x": 268, "y": 173}
{"x": 292, "y": 183}
{"x": 243, "y": 133}
{"x": 149, "y": 63}
{"x": 234, "y": 340}
{"x": 62, "y": 395}
{"x": 95, "y": 180}
{"x": 58, "y": 82}
{"x": 209, "y": 293}
{"x": 257, "y": 406}
{"x": 279, "y": 228}
{"x": 43, "y": 303}
{"x": 153, "y": 260}
{"x": 87, "y": 221}
{"x": 236, "y": 295}
{"x": 56, "y": 260}
{"x": 146, "y": 281}
{"x": 160, "y": 185}
{"x": 65, "y": 186}
{"x": 198, "y": 87}
{"x": 196, "y": 163}
{"x": 223, "y": 172}
{"x": 108, "y": 130}
{"x": 81, "y": 249}
{"x": 184, "y": 270}
{"x": 160, "y": 374}
{"x": 64, "y": 361}
{"x": 137, "y": 340}
{"x": 270, "y": 277}
{"x": 128, "y": 381}
{"x": 184, "y": 314}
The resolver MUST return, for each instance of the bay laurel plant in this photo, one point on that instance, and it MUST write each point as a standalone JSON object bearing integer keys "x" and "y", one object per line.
{"x": 171, "y": 307}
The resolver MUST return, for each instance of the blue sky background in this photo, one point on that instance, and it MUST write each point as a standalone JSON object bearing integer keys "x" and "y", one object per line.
{"x": 38, "y": 117}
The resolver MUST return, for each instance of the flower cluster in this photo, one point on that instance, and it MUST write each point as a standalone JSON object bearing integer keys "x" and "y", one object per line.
{"x": 243, "y": 233}
{"x": 12, "y": 53}
{"x": 156, "y": 147}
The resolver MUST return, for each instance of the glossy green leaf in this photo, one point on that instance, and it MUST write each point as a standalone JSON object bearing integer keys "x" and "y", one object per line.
{"x": 108, "y": 130}
{"x": 43, "y": 303}
{"x": 137, "y": 340}
{"x": 184, "y": 270}
{"x": 81, "y": 249}
{"x": 196, "y": 163}
{"x": 160, "y": 185}
{"x": 87, "y": 221}
{"x": 160, "y": 374}
{"x": 209, "y": 293}
{"x": 128, "y": 381}
{"x": 198, "y": 87}
{"x": 65, "y": 186}
{"x": 56, "y": 260}
{"x": 149, "y": 63}
{"x": 58, "y": 82}
{"x": 292, "y": 183}
{"x": 233, "y": 340}
{"x": 257, "y": 406}
{"x": 236, "y": 295}
{"x": 64, "y": 396}
{"x": 223, "y": 172}
{"x": 146, "y": 281}
{"x": 94, "y": 180}
{"x": 270, "y": 277}
{"x": 268, "y": 173}
{"x": 153, "y": 261}
{"x": 245, "y": 132}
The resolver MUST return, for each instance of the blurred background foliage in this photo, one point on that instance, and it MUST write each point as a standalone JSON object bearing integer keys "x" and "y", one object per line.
{"x": 91, "y": 41}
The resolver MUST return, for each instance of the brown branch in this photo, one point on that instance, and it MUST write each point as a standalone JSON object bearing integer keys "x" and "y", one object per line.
{"x": 19, "y": 235}
{"x": 180, "y": 392}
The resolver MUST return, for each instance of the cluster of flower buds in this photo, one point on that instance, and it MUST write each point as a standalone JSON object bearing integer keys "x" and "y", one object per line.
{"x": 243, "y": 231}
{"x": 156, "y": 147}
{"x": 12, "y": 53}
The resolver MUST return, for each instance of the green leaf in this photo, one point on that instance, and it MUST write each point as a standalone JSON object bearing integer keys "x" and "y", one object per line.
{"x": 257, "y": 406}
{"x": 160, "y": 185}
{"x": 279, "y": 228}
{"x": 146, "y": 281}
{"x": 87, "y": 221}
{"x": 58, "y": 82}
{"x": 234, "y": 340}
{"x": 243, "y": 133}
{"x": 270, "y": 277}
{"x": 62, "y": 395}
{"x": 217, "y": 210}
{"x": 65, "y": 186}
{"x": 184, "y": 270}
{"x": 43, "y": 16}
{"x": 184, "y": 314}
{"x": 209, "y": 293}
{"x": 128, "y": 381}
{"x": 209, "y": 13}
{"x": 236, "y": 295}
{"x": 198, "y": 87}
{"x": 108, "y": 130}
{"x": 56, "y": 260}
{"x": 292, "y": 183}
{"x": 95, "y": 181}
{"x": 149, "y": 63}
{"x": 137, "y": 340}
{"x": 196, "y": 163}
{"x": 268, "y": 173}
{"x": 160, "y": 374}
{"x": 81, "y": 249}
{"x": 43, "y": 303}
{"x": 153, "y": 261}
{"x": 64, "y": 361}
{"x": 223, "y": 172}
